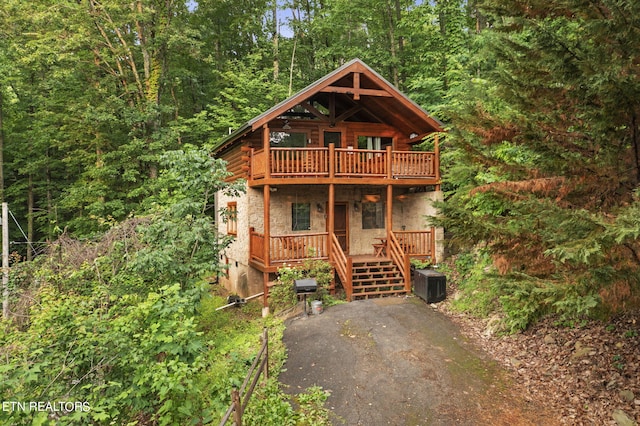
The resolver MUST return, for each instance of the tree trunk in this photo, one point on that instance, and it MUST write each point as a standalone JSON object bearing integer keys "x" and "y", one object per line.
{"x": 276, "y": 62}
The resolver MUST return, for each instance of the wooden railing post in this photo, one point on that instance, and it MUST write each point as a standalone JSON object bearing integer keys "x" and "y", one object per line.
{"x": 332, "y": 160}
{"x": 433, "y": 245}
{"x": 237, "y": 413}
{"x": 389, "y": 162}
{"x": 349, "y": 274}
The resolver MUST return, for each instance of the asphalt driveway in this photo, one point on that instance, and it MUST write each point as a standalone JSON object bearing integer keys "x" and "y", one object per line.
{"x": 398, "y": 361}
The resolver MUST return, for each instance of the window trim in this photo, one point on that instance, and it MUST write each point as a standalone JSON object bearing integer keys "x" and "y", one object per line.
{"x": 374, "y": 220}
{"x": 295, "y": 217}
{"x": 232, "y": 218}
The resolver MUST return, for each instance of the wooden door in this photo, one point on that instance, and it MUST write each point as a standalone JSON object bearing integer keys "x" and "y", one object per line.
{"x": 341, "y": 225}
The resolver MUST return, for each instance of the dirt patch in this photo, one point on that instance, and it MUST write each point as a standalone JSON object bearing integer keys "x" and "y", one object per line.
{"x": 398, "y": 361}
{"x": 586, "y": 375}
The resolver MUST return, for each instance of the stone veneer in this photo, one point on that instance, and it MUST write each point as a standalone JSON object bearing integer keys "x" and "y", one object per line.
{"x": 409, "y": 211}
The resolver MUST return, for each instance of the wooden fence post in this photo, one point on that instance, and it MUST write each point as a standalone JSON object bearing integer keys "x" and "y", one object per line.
{"x": 265, "y": 342}
{"x": 237, "y": 414}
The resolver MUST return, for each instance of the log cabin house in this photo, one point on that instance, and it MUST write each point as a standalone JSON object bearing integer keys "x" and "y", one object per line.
{"x": 331, "y": 174}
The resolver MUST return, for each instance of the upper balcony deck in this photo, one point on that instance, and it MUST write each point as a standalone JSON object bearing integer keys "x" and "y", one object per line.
{"x": 324, "y": 165}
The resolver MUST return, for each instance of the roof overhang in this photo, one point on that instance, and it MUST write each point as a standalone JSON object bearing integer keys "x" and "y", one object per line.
{"x": 360, "y": 93}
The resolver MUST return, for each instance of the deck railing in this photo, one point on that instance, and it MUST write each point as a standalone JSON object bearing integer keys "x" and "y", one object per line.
{"x": 256, "y": 245}
{"x": 417, "y": 243}
{"x": 357, "y": 162}
{"x": 342, "y": 163}
{"x": 288, "y": 247}
{"x": 298, "y": 246}
{"x": 413, "y": 164}
{"x": 299, "y": 162}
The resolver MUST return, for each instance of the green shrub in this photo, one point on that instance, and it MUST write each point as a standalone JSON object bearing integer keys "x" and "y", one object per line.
{"x": 520, "y": 299}
{"x": 282, "y": 295}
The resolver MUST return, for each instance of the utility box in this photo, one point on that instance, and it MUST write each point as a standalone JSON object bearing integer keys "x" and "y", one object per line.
{"x": 429, "y": 285}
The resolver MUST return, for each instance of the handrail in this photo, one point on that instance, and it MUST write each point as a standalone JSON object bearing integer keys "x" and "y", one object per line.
{"x": 342, "y": 264}
{"x": 240, "y": 399}
{"x": 400, "y": 258}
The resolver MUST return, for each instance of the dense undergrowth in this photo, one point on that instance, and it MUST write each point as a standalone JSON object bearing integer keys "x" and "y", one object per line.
{"x": 516, "y": 301}
{"x": 101, "y": 356}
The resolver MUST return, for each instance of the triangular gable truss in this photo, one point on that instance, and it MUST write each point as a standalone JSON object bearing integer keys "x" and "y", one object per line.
{"x": 359, "y": 83}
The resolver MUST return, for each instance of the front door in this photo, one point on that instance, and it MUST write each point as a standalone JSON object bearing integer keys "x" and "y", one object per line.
{"x": 341, "y": 225}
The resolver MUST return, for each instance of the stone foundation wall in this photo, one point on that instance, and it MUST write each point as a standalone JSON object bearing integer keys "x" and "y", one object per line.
{"x": 410, "y": 211}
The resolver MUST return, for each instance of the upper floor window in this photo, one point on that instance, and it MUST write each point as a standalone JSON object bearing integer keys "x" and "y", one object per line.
{"x": 288, "y": 139}
{"x": 373, "y": 142}
{"x": 232, "y": 218}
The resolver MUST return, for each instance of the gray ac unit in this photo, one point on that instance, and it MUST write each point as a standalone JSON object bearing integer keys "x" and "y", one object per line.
{"x": 429, "y": 285}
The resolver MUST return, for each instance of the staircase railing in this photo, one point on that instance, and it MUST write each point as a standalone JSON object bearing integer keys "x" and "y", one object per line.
{"x": 343, "y": 265}
{"x": 400, "y": 258}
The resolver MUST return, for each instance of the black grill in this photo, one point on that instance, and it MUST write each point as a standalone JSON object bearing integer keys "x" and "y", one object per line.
{"x": 308, "y": 285}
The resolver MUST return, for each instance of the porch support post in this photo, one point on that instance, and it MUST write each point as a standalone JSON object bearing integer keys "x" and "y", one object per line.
{"x": 437, "y": 160}
{"x": 266, "y": 196}
{"x": 266, "y": 145}
{"x": 389, "y": 215}
{"x": 266, "y": 220}
{"x": 331, "y": 218}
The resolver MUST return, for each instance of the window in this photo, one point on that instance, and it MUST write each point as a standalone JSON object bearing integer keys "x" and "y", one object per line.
{"x": 288, "y": 139}
{"x": 300, "y": 216}
{"x": 332, "y": 137}
{"x": 372, "y": 215}
{"x": 373, "y": 142}
{"x": 232, "y": 218}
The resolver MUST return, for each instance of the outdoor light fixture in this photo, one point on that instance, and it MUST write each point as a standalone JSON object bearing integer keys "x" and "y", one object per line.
{"x": 286, "y": 125}
{"x": 319, "y": 207}
{"x": 355, "y": 206}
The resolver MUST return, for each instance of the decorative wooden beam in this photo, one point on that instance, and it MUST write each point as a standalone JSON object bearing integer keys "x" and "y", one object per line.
{"x": 313, "y": 110}
{"x": 348, "y": 113}
{"x": 357, "y": 92}
{"x": 356, "y": 86}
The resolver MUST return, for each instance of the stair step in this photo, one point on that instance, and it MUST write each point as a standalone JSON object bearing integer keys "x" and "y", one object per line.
{"x": 383, "y": 268}
{"x": 386, "y": 274}
{"x": 376, "y": 278}
{"x": 378, "y": 281}
{"x": 356, "y": 296}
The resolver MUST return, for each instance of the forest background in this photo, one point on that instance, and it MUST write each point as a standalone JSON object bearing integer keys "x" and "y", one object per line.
{"x": 108, "y": 110}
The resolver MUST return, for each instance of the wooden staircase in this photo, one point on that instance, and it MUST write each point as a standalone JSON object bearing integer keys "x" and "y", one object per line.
{"x": 376, "y": 278}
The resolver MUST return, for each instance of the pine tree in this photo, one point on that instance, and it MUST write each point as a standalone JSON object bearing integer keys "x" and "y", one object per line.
{"x": 550, "y": 147}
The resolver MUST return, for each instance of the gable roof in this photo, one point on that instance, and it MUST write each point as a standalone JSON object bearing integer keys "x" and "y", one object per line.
{"x": 361, "y": 91}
